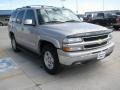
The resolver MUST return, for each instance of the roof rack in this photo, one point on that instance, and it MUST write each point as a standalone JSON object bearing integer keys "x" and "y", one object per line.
{"x": 40, "y": 6}
{"x": 35, "y": 6}
{"x": 18, "y": 8}
{"x": 26, "y": 7}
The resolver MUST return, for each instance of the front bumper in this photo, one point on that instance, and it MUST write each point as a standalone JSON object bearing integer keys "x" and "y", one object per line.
{"x": 69, "y": 58}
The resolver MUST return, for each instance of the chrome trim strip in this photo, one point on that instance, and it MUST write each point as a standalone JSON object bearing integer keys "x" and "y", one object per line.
{"x": 95, "y": 36}
{"x": 88, "y": 34}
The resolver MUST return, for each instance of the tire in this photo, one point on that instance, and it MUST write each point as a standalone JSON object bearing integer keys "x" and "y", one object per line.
{"x": 116, "y": 27}
{"x": 14, "y": 44}
{"x": 50, "y": 59}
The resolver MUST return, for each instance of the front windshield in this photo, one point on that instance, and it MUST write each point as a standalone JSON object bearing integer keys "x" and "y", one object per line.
{"x": 57, "y": 15}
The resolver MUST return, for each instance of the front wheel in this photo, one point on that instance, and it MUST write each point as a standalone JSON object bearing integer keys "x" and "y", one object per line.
{"x": 116, "y": 27}
{"x": 50, "y": 59}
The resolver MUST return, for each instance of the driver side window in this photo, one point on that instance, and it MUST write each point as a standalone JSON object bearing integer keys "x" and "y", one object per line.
{"x": 30, "y": 15}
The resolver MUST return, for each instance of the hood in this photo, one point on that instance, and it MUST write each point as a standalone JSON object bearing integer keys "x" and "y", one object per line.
{"x": 74, "y": 28}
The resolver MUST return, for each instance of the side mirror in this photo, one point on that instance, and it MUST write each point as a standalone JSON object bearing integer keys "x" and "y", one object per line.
{"x": 29, "y": 22}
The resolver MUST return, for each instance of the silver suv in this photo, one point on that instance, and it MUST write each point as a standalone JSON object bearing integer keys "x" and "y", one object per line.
{"x": 58, "y": 36}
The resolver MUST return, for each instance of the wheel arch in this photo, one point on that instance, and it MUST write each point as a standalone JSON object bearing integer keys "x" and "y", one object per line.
{"x": 43, "y": 43}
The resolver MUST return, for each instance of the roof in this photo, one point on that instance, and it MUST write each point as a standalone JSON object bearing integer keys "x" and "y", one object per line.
{"x": 108, "y": 11}
{"x": 5, "y": 12}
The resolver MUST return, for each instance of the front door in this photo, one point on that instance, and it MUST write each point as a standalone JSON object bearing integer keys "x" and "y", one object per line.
{"x": 29, "y": 31}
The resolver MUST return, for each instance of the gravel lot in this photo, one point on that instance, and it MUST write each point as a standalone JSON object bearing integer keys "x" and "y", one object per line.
{"x": 103, "y": 75}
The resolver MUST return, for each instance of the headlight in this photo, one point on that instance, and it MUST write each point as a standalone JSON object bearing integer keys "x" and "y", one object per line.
{"x": 68, "y": 44}
{"x": 110, "y": 36}
{"x": 72, "y": 40}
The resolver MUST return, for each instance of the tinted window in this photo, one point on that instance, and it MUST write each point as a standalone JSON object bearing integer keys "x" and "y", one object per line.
{"x": 100, "y": 15}
{"x": 20, "y": 16}
{"x": 39, "y": 16}
{"x": 118, "y": 13}
{"x": 13, "y": 14}
{"x": 30, "y": 15}
{"x": 12, "y": 18}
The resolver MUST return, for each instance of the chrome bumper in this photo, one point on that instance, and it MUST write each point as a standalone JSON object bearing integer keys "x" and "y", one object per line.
{"x": 69, "y": 58}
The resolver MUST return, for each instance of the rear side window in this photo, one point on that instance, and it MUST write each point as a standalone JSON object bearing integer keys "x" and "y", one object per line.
{"x": 20, "y": 16}
{"x": 100, "y": 15}
{"x": 13, "y": 16}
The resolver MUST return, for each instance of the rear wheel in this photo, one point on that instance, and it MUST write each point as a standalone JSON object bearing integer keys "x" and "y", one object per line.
{"x": 50, "y": 59}
{"x": 14, "y": 44}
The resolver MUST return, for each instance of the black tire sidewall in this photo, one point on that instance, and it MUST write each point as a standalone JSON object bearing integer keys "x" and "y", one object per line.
{"x": 15, "y": 49}
{"x": 54, "y": 54}
{"x": 116, "y": 27}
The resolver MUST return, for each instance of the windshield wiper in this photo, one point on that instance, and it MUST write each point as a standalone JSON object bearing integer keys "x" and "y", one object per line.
{"x": 55, "y": 22}
{"x": 72, "y": 21}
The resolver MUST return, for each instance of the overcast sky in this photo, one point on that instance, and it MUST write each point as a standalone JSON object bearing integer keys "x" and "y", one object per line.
{"x": 84, "y": 5}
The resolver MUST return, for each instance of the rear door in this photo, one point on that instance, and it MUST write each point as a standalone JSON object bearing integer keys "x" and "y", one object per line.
{"x": 18, "y": 27}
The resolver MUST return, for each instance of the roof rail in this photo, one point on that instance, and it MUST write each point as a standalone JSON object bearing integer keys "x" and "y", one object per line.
{"x": 40, "y": 6}
{"x": 26, "y": 7}
{"x": 18, "y": 8}
{"x": 23, "y": 7}
{"x": 37, "y": 6}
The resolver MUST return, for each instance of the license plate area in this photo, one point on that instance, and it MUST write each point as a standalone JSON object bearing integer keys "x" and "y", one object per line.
{"x": 101, "y": 55}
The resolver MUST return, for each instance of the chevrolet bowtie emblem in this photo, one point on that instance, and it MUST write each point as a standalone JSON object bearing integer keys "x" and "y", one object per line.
{"x": 99, "y": 41}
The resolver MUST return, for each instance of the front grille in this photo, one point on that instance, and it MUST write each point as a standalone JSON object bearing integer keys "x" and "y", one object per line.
{"x": 93, "y": 38}
{"x": 94, "y": 45}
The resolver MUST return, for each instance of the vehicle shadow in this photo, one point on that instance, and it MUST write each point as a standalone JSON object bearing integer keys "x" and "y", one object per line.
{"x": 35, "y": 59}
{"x": 39, "y": 76}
